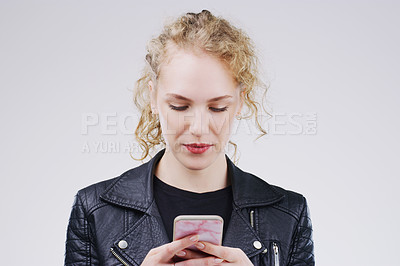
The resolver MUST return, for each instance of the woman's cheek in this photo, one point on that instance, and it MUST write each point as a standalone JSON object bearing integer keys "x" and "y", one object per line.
{"x": 176, "y": 124}
{"x": 220, "y": 124}
{"x": 167, "y": 121}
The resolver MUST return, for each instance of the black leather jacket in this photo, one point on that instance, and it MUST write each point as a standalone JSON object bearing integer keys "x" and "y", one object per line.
{"x": 116, "y": 221}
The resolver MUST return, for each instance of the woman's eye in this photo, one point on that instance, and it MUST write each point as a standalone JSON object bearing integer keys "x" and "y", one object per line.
{"x": 183, "y": 108}
{"x": 218, "y": 109}
{"x": 177, "y": 108}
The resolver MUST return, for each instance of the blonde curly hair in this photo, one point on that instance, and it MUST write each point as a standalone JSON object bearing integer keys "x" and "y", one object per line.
{"x": 213, "y": 35}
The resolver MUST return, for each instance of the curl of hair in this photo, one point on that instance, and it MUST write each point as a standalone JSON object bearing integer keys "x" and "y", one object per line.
{"x": 202, "y": 32}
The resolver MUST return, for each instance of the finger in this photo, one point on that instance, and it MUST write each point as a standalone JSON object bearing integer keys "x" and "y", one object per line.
{"x": 199, "y": 262}
{"x": 191, "y": 254}
{"x": 167, "y": 251}
{"x": 226, "y": 253}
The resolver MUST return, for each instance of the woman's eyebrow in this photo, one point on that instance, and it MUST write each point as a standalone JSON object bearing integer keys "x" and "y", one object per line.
{"x": 219, "y": 98}
{"x": 177, "y": 96}
{"x": 180, "y": 97}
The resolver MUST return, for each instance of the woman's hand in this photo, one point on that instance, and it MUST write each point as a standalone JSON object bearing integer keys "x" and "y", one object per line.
{"x": 222, "y": 255}
{"x": 163, "y": 255}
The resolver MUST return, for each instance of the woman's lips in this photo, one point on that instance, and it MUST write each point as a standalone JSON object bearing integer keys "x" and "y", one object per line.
{"x": 197, "y": 148}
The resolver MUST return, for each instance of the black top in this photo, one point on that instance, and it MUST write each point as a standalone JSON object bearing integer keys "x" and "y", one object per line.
{"x": 172, "y": 201}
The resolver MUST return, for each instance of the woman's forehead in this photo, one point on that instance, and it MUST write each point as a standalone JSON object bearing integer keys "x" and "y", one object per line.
{"x": 196, "y": 76}
{"x": 194, "y": 63}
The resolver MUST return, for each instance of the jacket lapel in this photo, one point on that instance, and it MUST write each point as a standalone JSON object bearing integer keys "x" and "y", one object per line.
{"x": 249, "y": 191}
{"x": 134, "y": 189}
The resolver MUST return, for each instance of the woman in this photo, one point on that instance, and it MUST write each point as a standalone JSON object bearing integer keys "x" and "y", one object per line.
{"x": 200, "y": 73}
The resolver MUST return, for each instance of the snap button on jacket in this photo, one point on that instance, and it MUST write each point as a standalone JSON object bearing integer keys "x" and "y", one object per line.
{"x": 116, "y": 221}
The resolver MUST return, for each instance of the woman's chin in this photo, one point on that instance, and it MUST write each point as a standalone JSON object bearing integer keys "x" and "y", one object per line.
{"x": 195, "y": 163}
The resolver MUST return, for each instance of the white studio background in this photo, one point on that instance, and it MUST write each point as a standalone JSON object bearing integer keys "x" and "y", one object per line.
{"x": 332, "y": 66}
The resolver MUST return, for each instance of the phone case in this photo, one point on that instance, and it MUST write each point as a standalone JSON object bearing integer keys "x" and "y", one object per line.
{"x": 208, "y": 227}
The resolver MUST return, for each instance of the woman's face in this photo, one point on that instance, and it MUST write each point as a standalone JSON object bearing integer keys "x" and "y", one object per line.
{"x": 196, "y": 99}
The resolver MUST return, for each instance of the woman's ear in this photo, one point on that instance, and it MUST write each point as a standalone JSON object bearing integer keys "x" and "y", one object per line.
{"x": 153, "y": 97}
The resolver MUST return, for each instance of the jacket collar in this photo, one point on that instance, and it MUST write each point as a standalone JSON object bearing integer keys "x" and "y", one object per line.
{"x": 134, "y": 188}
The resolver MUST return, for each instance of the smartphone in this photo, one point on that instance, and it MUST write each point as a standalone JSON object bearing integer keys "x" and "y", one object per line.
{"x": 208, "y": 227}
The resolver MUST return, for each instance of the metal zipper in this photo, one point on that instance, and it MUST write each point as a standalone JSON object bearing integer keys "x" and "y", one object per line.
{"x": 252, "y": 218}
{"x": 119, "y": 257}
{"x": 276, "y": 254}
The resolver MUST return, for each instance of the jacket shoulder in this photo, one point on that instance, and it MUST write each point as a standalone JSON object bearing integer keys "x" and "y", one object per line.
{"x": 292, "y": 203}
{"x": 90, "y": 195}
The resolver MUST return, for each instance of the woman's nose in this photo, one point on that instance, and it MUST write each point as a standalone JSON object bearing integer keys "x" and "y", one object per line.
{"x": 198, "y": 124}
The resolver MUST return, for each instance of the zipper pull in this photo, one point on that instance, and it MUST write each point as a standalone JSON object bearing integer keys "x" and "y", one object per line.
{"x": 275, "y": 248}
{"x": 252, "y": 218}
{"x": 276, "y": 253}
{"x": 119, "y": 257}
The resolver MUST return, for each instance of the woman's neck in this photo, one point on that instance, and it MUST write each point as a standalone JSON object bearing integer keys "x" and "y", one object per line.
{"x": 212, "y": 178}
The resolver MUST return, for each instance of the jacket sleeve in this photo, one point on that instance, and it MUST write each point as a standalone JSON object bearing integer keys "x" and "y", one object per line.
{"x": 79, "y": 247}
{"x": 302, "y": 246}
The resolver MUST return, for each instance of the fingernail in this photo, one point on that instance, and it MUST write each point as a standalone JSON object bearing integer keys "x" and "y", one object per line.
{"x": 218, "y": 260}
{"x": 194, "y": 238}
{"x": 199, "y": 245}
{"x": 181, "y": 253}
